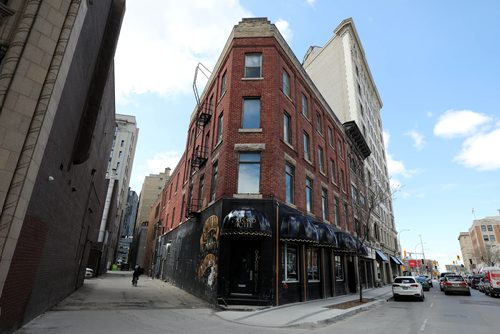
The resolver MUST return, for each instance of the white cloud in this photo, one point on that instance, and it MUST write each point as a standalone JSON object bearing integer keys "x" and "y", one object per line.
{"x": 160, "y": 161}
{"x": 418, "y": 139}
{"x": 394, "y": 167}
{"x": 481, "y": 151}
{"x": 284, "y": 28}
{"x": 311, "y": 2}
{"x": 455, "y": 123}
{"x": 174, "y": 36}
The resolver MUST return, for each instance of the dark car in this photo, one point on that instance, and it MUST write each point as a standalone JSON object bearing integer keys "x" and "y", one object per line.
{"x": 474, "y": 281}
{"x": 424, "y": 282}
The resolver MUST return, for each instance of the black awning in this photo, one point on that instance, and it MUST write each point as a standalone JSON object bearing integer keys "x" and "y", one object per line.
{"x": 363, "y": 250}
{"x": 380, "y": 255}
{"x": 246, "y": 221}
{"x": 296, "y": 227}
{"x": 346, "y": 241}
{"x": 326, "y": 235}
{"x": 396, "y": 261}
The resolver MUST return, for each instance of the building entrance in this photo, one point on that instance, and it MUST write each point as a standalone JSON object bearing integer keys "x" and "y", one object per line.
{"x": 245, "y": 258}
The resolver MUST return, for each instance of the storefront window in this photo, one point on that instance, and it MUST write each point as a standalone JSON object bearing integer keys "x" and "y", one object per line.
{"x": 312, "y": 264}
{"x": 290, "y": 263}
{"x": 339, "y": 268}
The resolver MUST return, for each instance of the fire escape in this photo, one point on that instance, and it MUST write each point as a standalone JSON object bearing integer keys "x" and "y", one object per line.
{"x": 200, "y": 153}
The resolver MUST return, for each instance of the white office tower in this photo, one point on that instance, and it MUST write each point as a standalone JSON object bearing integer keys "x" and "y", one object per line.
{"x": 340, "y": 71}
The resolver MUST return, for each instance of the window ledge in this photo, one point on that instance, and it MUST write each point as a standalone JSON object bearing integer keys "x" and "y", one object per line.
{"x": 256, "y": 130}
{"x": 252, "y": 79}
{"x": 249, "y": 196}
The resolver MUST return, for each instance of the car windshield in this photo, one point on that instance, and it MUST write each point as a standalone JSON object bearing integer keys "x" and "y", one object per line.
{"x": 478, "y": 276}
{"x": 421, "y": 279}
{"x": 404, "y": 280}
{"x": 454, "y": 278}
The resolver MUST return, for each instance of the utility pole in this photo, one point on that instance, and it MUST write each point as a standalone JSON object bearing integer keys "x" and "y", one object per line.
{"x": 423, "y": 253}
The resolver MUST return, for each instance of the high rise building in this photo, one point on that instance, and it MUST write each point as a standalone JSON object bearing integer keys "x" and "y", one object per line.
{"x": 268, "y": 203}
{"x": 118, "y": 172}
{"x": 57, "y": 119}
{"x": 340, "y": 71}
{"x": 127, "y": 230}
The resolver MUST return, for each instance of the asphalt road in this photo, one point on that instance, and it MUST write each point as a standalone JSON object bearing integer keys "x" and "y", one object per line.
{"x": 112, "y": 305}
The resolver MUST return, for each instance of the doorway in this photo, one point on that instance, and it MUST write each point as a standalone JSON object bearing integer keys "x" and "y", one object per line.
{"x": 244, "y": 264}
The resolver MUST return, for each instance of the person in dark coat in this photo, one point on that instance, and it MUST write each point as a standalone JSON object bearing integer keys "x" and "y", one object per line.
{"x": 138, "y": 271}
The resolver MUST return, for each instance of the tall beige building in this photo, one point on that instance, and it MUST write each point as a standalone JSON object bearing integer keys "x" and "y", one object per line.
{"x": 341, "y": 72}
{"x": 484, "y": 234}
{"x": 467, "y": 251}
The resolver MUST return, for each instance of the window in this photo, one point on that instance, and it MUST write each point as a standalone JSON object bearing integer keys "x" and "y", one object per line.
{"x": 333, "y": 171}
{"x": 287, "y": 128}
{"x": 251, "y": 113}
{"x": 305, "y": 111}
{"x": 485, "y": 238}
{"x": 253, "y": 65}
{"x": 340, "y": 150}
{"x": 249, "y": 173}
{"x": 324, "y": 203}
{"x": 286, "y": 83}
{"x": 342, "y": 180}
{"x": 213, "y": 184}
{"x": 289, "y": 183}
{"x": 339, "y": 268}
{"x": 483, "y": 228}
{"x": 223, "y": 84}
{"x": 346, "y": 215}
{"x": 490, "y": 228}
{"x": 290, "y": 263}
{"x": 307, "y": 152}
{"x": 312, "y": 255}
{"x": 330, "y": 136}
{"x": 122, "y": 143}
{"x": 121, "y": 153}
{"x": 309, "y": 194}
{"x": 219, "y": 129}
{"x": 492, "y": 238}
{"x": 336, "y": 211}
{"x": 211, "y": 105}
{"x": 200, "y": 191}
{"x": 319, "y": 126}
{"x": 354, "y": 194}
{"x": 321, "y": 160}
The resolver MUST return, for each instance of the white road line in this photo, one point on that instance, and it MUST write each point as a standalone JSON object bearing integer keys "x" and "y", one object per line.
{"x": 422, "y": 328}
{"x": 432, "y": 304}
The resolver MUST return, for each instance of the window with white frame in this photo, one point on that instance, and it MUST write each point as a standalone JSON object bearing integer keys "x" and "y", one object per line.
{"x": 286, "y": 83}
{"x": 305, "y": 109}
{"x": 290, "y": 263}
{"x": 219, "y": 128}
{"x": 321, "y": 160}
{"x": 307, "y": 150}
{"x": 287, "y": 128}
{"x": 253, "y": 65}
{"x": 223, "y": 84}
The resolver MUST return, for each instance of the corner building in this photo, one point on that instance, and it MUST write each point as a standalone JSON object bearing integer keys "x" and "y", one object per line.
{"x": 258, "y": 210}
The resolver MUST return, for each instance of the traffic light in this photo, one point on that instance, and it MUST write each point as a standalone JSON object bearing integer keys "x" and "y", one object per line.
{"x": 405, "y": 252}
{"x": 458, "y": 257}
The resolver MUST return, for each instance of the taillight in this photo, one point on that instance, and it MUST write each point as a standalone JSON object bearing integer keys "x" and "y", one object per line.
{"x": 448, "y": 283}
{"x": 394, "y": 284}
{"x": 463, "y": 284}
{"x": 414, "y": 285}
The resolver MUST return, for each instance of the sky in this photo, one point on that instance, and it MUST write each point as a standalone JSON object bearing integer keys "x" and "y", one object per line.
{"x": 436, "y": 66}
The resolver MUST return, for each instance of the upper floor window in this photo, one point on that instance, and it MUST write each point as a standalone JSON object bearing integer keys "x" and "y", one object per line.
{"x": 305, "y": 110}
{"x": 309, "y": 194}
{"x": 289, "y": 183}
{"x": 287, "y": 128}
{"x": 286, "y": 83}
{"x": 213, "y": 183}
{"x": 324, "y": 203}
{"x": 249, "y": 173}
{"x": 336, "y": 212}
{"x": 219, "y": 128}
{"x": 122, "y": 143}
{"x": 253, "y": 65}
{"x": 223, "y": 84}
{"x": 490, "y": 228}
{"x": 333, "y": 171}
{"x": 492, "y": 238}
{"x": 251, "y": 113}
{"x": 307, "y": 151}
{"x": 483, "y": 228}
{"x": 321, "y": 160}
{"x": 330, "y": 136}
{"x": 319, "y": 126}
{"x": 340, "y": 149}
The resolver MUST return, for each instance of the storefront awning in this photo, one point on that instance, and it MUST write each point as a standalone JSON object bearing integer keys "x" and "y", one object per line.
{"x": 380, "y": 256}
{"x": 299, "y": 228}
{"x": 346, "y": 241}
{"x": 396, "y": 261}
{"x": 246, "y": 221}
{"x": 326, "y": 235}
{"x": 363, "y": 250}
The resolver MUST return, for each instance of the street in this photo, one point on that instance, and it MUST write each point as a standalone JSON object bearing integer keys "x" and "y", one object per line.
{"x": 109, "y": 304}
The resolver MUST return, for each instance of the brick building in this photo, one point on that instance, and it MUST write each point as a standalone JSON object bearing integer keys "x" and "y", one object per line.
{"x": 56, "y": 128}
{"x": 485, "y": 235}
{"x": 260, "y": 207}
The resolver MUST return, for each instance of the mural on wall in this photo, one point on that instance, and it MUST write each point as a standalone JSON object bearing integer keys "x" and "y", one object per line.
{"x": 207, "y": 270}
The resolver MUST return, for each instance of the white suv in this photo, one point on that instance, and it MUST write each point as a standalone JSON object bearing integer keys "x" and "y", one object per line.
{"x": 407, "y": 286}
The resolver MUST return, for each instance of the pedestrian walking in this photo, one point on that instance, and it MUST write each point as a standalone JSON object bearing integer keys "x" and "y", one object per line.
{"x": 138, "y": 271}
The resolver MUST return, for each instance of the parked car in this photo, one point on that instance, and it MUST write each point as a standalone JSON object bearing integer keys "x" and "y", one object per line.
{"x": 89, "y": 273}
{"x": 455, "y": 283}
{"x": 407, "y": 286}
{"x": 428, "y": 278}
{"x": 441, "y": 279}
{"x": 424, "y": 282}
{"x": 474, "y": 280}
{"x": 491, "y": 281}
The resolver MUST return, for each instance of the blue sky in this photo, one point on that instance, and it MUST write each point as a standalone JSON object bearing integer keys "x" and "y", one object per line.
{"x": 436, "y": 65}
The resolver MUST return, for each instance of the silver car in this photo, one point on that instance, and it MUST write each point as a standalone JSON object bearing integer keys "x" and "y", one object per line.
{"x": 455, "y": 284}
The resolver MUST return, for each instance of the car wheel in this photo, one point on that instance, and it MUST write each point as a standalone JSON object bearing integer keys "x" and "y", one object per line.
{"x": 468, "y": 293}
{"x": 446, "y": 293}
{"x": 486, "y": 292}
{"x": 396, "y": 298}
{"x": 422, "y": 297}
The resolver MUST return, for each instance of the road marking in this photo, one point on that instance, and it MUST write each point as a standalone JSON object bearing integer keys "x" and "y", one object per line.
{"x": 422, "y": 328}
{"x": 432, "y": 304}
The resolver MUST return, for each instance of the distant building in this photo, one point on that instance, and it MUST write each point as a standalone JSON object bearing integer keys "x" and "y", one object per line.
{"x": 120, "y": 162}
{"x": 151, "y": 188}
{"x": 267, "y": 204}
{"x": 57, "y": 119}
{"x": 127, "y": 230}
{"x": 467, "y": 251}
{"x": 485, "y": 234}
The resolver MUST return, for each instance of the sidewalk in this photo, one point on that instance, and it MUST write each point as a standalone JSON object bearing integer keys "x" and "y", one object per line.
{"x": 307, "y": 313}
